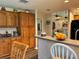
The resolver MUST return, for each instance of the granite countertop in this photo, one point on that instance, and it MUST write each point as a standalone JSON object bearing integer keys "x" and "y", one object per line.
{"x": 66, "y": 41}
{"x": 9, "y": 37}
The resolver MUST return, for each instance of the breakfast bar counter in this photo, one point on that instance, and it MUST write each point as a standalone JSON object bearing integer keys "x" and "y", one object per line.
{"x": 45, "y": 43}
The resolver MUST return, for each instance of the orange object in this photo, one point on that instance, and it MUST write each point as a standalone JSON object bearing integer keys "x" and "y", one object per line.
{"x": 60, "y": 36}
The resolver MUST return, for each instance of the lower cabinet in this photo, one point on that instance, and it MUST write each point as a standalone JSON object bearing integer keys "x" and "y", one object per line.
{"x": 6, "y": 44}
{"x": 32, "y": 42}
{"x": 5, "y": 47}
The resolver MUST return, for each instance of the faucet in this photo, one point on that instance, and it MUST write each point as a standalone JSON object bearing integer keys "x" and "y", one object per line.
{"x": 76, "y": 34}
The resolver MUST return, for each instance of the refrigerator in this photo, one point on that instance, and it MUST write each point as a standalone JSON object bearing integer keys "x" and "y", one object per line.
{"x": 74, "y": 34}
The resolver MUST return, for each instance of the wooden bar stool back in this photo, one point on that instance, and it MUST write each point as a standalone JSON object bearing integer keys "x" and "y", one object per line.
{"x": 18, "y": 50}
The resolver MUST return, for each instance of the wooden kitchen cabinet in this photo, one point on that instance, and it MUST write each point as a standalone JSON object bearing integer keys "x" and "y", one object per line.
{"x": 8, "y": 19}
{"x": 27, "y": 24}
{"x": 27, "y": 27}
{"x": 24, "y": 31}
{"x": 26, "y": 40}
{"x": 5, "y": 47}
{"x": 12, "y": 19}
{"x": 3, "y": 19}
{"x": 25, "y": 35}
{"x": 31, "y": 31}
{"x": 23, "y": 19}
{"x": 76, "y": 17}
{"x": 32, "y": 42}
{"x": 31, "y": 20}
{"x": 32, "y": 36}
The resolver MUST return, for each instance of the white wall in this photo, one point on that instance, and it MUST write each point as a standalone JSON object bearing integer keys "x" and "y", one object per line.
{"x": 48, "y": 26}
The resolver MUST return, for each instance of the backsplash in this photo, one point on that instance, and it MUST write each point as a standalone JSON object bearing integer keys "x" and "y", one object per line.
{"x": 8, "y": 32}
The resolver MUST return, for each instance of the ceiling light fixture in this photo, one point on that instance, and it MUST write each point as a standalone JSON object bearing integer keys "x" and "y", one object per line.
{"x": 24, "y": 1}
{"x": 48, "y": 9}
{"x": 66, "y": 1}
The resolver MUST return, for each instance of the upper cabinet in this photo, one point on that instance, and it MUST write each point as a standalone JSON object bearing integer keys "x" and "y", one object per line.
{"x": 27, "y": 19}
{"x": 2, "y": 19}
{"x": 76, "y": 17}
{"x": 12, "y": 19}
{"x": 31, "y": 20}
{"x": 8, "y": 19}
{"x": 23, "y": 19}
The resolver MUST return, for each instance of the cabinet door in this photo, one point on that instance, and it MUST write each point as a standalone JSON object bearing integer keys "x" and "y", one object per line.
{"x": 32, "y": 42}
{"x": 5, "y": 47}
{"x": 27, "y": 23}
{"x": 12, "y": 19}
{"x": 1, "y": 48}
{"x": 31, "y": 31}
{"x": 32, "y": 36}
{"x": 24, "y": 31}
{"x": 25, "y": 35}
{"x": 31, "y": 20}
{"x": 23, "y": 19}
{"x": 26, "y": 40}
{"x": 2, "y": 19}
{"x": 76, "y": 17}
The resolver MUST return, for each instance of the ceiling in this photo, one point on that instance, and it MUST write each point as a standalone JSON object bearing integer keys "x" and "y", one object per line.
{"x": 45, "y": 6}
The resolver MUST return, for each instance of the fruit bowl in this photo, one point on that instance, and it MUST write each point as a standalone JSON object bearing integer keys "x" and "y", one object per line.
{"x": 60, "y": 36}
{"x": 61, "y": 39}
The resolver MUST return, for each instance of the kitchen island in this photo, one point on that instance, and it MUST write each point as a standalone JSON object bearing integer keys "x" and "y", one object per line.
{"x": 45, "y": 43}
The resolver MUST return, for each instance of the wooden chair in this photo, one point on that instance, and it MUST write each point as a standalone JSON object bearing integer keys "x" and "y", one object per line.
{"x": 62, "y": 51}
{"x": 18, "y": 50}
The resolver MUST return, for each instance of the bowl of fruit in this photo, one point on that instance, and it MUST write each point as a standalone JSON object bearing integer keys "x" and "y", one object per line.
{"x": 60, "y": 36}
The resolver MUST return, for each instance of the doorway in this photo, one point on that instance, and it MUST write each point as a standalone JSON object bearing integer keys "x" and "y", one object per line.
{"x": 39, "y": 26}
